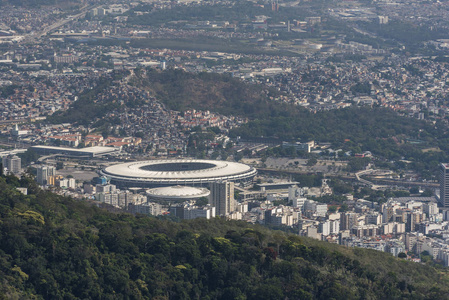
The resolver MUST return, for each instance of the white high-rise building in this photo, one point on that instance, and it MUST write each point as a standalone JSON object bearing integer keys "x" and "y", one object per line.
{"x": 444, "y": 185}
{"x": 43, "y": 173}
{"x": 12, "y": 163}
{"x": 329, "y": 227}
{"x": 71, "y": 183}
{"x": 62, "y": 183}
{"x": 295, "y": 192}
{"x": 207, "y": 212}
{"x": 430, "y": 209}
{"x": 222, "y": 197}
{"x": 299, "y": 202}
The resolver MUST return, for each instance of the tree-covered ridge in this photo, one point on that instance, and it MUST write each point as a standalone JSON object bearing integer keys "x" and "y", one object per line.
{"x": 223, "y": 94}
{"x": 177, "y": 89}
{"x": 382, "y": 131}
{"x": 242, "y": 11}
{"x": 57, "y": 248}
{"x": 90, "y": 106}
{"x": 354, "y": 123}
{"x": 180, "y": 90}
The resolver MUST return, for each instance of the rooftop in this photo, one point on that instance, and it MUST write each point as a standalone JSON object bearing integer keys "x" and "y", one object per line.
{"x": 97, "y": 150}
{"x": 178, "y": 191}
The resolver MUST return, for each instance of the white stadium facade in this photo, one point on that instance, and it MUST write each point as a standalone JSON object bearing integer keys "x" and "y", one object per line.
{"x": 192, "y": 172}
{"x": 177, "y": 193}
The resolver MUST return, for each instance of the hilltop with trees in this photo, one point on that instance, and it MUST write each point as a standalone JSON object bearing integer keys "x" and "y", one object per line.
{"x": 53, "y": 247}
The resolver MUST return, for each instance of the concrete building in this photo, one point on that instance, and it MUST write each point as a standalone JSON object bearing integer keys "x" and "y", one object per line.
{"x": 443, "y": 256}
{"x": 329, "y": 227}
{"x": 122, "y": 199}
{"x": 382, "y": 19}
{"x": 430, "y": 209}
{"x": 17, "y": 132}
{"x": 148, "y": 208}
{"x": 392, "y": 228}
{"x": 23, "y": 190}
{"x": 64, "y": 183}
{"x": 44, "y": 173}
{"x": 316, "y": 208}
{"x": 366, "y": 231}
{"x": 299, "y": 202}
{"x": 306, "y": 147}
{"x": 312, "y": 232}
{"x": 105, "y": 188}
{"x": 444, "y": 185}
{"x": 71, "y": 183}
{"x": 396, "y": 248}
{"x": 89, "y": 188}
{"x": 222, "y": 197}
{"x": 187, "y": 211}
{"x": 348, "y": 220}
{"x": 12, "y": 163}
{"x": 374, "y": 218}
{"x": 294, "y": 192}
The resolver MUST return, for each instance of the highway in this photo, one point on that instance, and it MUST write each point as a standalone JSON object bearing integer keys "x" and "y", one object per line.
{"x": 33, "y": 37}
{"x": 380, "y": 183}
{"x": 369, "y": 183}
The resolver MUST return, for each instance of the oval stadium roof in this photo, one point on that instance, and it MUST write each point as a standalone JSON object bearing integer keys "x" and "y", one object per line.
{"x": 177, "y": 172}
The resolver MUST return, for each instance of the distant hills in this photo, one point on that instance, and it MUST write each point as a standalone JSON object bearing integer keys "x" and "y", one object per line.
{"x": 36, "y": 3}
{"x": 58, "y": 248}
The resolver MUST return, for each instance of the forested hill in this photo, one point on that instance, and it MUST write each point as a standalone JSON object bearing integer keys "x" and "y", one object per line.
{"x": 57, "y": 248}
{"x": 180, "y": 90}
{"x": 223, "y": 94}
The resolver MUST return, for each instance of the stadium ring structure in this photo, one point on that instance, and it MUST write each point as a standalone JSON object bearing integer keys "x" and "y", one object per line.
{"x": 192, "y": 172}
{"x": 177, "y": 193}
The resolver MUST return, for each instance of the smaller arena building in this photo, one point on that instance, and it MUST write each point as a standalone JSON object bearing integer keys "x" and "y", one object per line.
{"x": 176, "y": 193}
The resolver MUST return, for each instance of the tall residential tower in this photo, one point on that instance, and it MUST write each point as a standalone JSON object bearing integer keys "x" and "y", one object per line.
{"x": 222, "y": 197}
{"x": 44, "y": 173}
{"x": 12, "y": 163}
{"x": 444, "y": 185}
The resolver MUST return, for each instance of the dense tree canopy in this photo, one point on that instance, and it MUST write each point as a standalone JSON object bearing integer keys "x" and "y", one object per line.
{"x": 53, "y": 248}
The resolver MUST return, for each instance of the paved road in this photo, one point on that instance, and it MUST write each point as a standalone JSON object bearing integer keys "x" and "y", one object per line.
{"x": 379, "y": 182}
{"x": 32, "y": 37}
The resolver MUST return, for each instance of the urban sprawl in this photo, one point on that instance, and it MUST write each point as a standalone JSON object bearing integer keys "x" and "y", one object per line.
{"x": 50, "y": 59}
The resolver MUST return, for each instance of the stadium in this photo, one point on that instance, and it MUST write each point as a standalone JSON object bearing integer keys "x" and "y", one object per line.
{"x": 177, "y": 193}
{"x": 158, "y": 173}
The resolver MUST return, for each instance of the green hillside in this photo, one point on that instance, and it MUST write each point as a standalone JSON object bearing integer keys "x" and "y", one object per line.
{"x": 57, "y": 248}
{"x": 88, "y": 108}
{"x": 223, "y": 94}
{"x": 382, "y": 131}
{"x": 181, "y": 90}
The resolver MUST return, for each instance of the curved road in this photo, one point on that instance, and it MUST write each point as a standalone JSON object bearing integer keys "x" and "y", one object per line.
{"x": 32, "y": 37}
